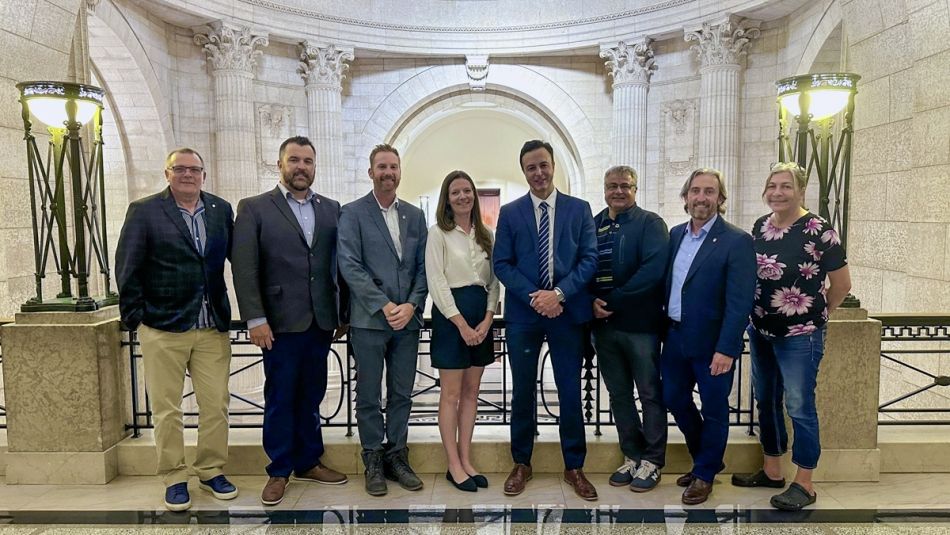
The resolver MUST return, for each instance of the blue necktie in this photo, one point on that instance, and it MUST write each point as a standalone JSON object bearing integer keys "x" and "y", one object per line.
{"x": 544, "y": 228}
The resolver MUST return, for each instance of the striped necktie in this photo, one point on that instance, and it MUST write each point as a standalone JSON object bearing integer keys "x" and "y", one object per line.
{"x": 544, "y": 229}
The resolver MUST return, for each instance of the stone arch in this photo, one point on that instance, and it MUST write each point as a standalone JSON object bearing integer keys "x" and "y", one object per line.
{"x": 828, "y": 23}
{"x": 526, "y": 88}
{"x": 138, "y": 104}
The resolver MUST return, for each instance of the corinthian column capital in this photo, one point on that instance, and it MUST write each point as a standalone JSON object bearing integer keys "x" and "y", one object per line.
{"x": 323, "y": 65}
{"x": 723, "y": 42}
{"x": 231, "y": 47}
{"x": 630, "y": 63}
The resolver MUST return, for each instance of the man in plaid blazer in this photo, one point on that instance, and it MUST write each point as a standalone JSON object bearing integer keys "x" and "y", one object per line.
{"x": 170, "y": 271}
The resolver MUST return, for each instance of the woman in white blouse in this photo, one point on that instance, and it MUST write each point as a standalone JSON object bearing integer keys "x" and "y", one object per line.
{"x": 464, "y": 293}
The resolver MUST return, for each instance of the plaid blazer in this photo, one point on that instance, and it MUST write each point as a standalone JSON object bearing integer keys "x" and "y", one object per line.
{"x": 161, "y": 275}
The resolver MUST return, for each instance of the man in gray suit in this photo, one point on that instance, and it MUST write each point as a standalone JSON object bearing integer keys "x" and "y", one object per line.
{"x": 285, "y": 274}
{"x": 382, "y": 242}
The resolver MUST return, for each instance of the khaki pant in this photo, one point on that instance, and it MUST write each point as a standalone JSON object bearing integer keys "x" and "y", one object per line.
{"x": 206, "y": 354}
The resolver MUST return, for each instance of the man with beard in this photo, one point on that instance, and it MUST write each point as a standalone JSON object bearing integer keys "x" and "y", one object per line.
{"x": 382, "y": 256}
{"x": 285, "y": 274}
{"x": 709, "y": 295}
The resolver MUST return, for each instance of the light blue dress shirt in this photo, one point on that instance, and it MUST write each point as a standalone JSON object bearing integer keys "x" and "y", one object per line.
{"x": 681, "y": 263}
{"x": 304, "y": 213}
{"x": 199, "y": 232}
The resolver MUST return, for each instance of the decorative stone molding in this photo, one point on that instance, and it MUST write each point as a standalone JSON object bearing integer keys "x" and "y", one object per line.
{"x": 230, "y": 47}
{"x": 723, "y": 42}
{"x": 679, "y": 137}
{"x": 282, "y": 7}
{"x": 476, "y": 66}
{"x": 275, "y": 123}
{"x": 323, "y": 65}
{"x": 630, "y": 63}
{"x": 91, "y": 5}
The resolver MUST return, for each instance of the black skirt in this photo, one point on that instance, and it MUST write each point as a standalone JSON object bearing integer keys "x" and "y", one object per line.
{"x": 448, "y": 349}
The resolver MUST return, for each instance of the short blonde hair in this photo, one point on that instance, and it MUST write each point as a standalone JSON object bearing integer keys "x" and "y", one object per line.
{"x": 799, "y": 178}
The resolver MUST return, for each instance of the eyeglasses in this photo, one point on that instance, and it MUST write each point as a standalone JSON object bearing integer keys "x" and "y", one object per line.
{"x": 182, "y": 169}
{"x": 622, "y": 187}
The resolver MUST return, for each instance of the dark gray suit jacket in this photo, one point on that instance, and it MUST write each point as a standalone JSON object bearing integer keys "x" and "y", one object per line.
{"x": 277, "y": 274}
{"x": 372, "y": 270}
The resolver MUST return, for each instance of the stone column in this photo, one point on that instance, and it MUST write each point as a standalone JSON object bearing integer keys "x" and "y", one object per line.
{"x": 66, "y": 379}
{"x": 631, "y": 66}
{"x": 233, "y": 53}
{"x": 323, "y": 69}
{"x": 720, "y": 45}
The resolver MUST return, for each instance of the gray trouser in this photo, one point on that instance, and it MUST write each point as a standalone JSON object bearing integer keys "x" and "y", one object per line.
{"x": 400, "y": 351}
{"x": 626, "y": 359}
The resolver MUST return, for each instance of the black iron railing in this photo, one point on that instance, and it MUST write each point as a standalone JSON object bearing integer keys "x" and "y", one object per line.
{"x": 338, "y": 409}
{"x": 915, "y": 369}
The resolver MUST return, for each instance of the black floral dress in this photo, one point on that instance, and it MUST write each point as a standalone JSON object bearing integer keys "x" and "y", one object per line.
{"x": 793, "y": 263}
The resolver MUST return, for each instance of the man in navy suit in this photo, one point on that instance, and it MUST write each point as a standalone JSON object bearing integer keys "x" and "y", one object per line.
{"x": 546, "y": 254}
{"x": 709, "y": 289}
{"x": 170, "y": 271}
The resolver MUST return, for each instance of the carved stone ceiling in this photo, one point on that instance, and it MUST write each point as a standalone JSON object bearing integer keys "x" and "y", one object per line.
{"x": 449, "y": 27}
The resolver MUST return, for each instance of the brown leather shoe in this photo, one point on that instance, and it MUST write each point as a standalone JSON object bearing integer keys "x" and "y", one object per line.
{"x": 684, "y": 480}
{"x": 582, "y": 487}
{"x": 697, "y": 492}
{"x": 323, "y": 474}
{"x": 273, "y": 491}
{"x": 519, "y": 476}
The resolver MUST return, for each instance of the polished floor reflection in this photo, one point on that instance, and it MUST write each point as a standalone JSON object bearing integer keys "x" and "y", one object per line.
{"x": 912, "y": 503}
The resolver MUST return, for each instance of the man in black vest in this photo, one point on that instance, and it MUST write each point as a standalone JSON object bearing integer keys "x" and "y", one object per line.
{"x": 285, "y": 274}
{"x": 170, "y": 271}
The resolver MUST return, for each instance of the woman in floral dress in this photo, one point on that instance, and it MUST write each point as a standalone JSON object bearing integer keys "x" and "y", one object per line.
{"x": 802, "y": 277}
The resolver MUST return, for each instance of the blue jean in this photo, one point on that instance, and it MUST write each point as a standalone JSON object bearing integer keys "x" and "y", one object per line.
{"x": 788, "y": 367}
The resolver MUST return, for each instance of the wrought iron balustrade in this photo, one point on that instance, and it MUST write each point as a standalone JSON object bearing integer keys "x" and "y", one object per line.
{"x": 915, "y": 369}
{"x": 338, "y": 409}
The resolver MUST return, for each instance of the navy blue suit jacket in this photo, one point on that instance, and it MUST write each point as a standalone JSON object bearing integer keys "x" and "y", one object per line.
{"x": 161, "y": 275}
{"x": 515, "y": 257}
{"x": 718, "y": 292}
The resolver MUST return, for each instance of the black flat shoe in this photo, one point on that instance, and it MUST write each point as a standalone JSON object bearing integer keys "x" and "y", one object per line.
{"x": 794, "y": 498}
{"x": 758, "y": 479}
{"x": 480, "y": 481}
{"x": 468, "y": 485}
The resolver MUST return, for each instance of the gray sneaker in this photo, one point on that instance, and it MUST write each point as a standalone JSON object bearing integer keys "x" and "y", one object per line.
{"x": 646, "y": 477}
{"x": 623, "y": 475}
{"x": 396, "y": 468}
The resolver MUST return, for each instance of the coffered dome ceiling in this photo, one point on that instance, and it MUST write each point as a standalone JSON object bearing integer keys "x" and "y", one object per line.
{"x": 440, "y": 27}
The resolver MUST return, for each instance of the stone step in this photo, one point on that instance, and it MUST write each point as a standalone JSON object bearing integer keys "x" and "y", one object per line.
{"x": 904, "y": 449}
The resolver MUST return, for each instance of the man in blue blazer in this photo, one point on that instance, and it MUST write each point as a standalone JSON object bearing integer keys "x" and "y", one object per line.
{"x": 382, "y": 243}
{"x": 170, "y": 271}
{"x": 709, "y": 295}
{"x": 546, "y": 254}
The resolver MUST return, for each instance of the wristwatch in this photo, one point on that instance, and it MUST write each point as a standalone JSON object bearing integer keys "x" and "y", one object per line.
{"x": 560, "y": 294}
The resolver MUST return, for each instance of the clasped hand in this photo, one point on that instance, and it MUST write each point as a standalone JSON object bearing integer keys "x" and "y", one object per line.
{"x": 546, "y": 303}
{"x": 398, "y": 316}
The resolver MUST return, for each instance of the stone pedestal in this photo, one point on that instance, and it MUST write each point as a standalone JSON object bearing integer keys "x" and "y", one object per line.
{"x": 847, "y": 398}
{"x": 67, "y": 388}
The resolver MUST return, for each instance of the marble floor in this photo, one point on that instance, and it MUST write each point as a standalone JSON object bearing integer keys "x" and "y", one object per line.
{"x": 899, "y": 503}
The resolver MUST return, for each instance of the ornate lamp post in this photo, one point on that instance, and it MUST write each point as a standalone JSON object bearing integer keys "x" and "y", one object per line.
{"x": 72, "y": 234}
{"x": 812, "y": 102}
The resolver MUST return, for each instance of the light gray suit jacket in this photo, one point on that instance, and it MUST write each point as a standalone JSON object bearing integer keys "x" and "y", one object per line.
{"x": 371, "y": 268}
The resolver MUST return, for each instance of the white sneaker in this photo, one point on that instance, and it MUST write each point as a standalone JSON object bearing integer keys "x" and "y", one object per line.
{"x": 624, "y": 474}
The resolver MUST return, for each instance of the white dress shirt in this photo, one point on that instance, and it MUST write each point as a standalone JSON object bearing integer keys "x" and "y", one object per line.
{"x": 551, "y": 200}
{"x": 455, "y": 260}
{"x": 391, "y": 217}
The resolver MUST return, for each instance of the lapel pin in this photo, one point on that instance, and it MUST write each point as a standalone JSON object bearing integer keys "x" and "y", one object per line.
{"x": 714, "y": 240}
{"x": 213, "y": 205}
{"x": 403, "y": 217}
{"x": 318, "y": 201}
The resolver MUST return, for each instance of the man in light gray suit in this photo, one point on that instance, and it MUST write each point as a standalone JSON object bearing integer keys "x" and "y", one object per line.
{"x": 285, "y": 274}
{"x": 382, "y": 242}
